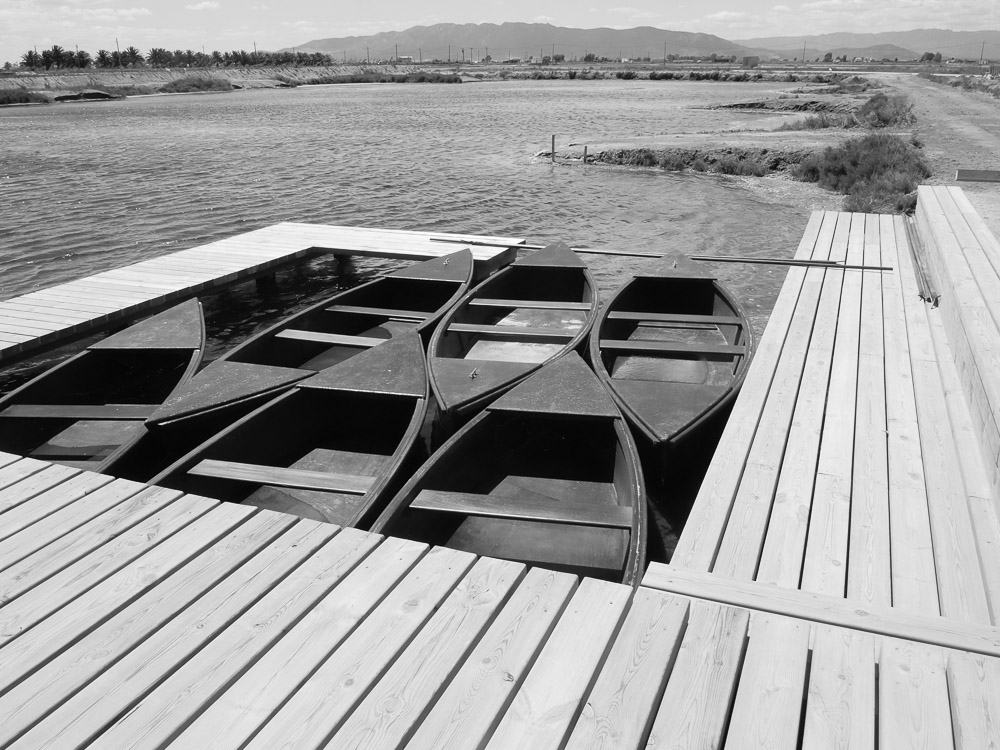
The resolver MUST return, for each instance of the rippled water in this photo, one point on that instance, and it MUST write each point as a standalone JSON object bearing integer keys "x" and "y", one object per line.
{"x": 93, "y": 186}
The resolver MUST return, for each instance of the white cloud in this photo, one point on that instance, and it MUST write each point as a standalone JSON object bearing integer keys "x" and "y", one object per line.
{"x": 205, "y": 5}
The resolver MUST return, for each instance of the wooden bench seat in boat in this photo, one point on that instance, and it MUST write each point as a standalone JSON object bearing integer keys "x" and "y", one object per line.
{"x": 534, "y": 509}
{"x": 517, "y": 331}
{"x": 80, "y": 411}
{"x": 382, "y": 312}
{"x": 727, "y": 320}
{"x": 529, "y": 304}
{"x": 279, "y": 476}
{"x": 334, "y": 339}
{"x": 715, "y": 352}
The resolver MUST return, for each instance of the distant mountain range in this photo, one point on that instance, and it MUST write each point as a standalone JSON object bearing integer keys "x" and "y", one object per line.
{"x": 458, "y": 42}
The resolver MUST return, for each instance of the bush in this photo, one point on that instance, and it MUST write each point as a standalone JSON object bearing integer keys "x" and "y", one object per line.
{"x": 628, "y": 75}
{"x": 20, "y": 96}
{"x": 642, "y": 157}
{"x": 883, "y": 111}
{"x": 878, "y": 170}
{"x": 196, "y": 83}
{"x": 734, "y": 165}
{"x": 672, "y": 163}
{"x": 820, "y": 121}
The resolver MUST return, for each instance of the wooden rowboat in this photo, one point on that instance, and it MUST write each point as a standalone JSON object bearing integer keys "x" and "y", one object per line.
{"x": 329, "y": 449}
{"x": 548, "y": 475}
{"x": 89, "y": 410}
{"x": 410, "y": 299}
{"x": 524, "y": 316}
{"x": 672, "y": 346}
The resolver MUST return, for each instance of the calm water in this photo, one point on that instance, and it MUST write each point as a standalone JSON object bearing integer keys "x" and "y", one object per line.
{"x": 93, "y": 186}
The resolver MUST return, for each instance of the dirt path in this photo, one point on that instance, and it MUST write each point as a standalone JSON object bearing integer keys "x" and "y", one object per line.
{"x": 959, "y": 130}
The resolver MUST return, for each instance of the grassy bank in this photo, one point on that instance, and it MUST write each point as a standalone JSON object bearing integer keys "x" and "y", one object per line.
{"x": 17, "y": 96}
{"x": 420, "y": 77}
{"x": 967, "y": 83}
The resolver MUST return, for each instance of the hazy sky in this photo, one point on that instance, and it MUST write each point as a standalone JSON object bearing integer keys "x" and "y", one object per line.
{"x": 272, "y": 24}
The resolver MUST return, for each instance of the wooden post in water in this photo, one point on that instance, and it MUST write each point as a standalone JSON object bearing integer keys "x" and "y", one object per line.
{"x": 584, "y": 154}
{"x": 553, "y": 149}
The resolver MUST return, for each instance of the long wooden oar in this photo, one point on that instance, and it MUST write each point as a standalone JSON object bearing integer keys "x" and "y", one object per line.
{"x": 592, "y": 250}
{"x": 790, "y": 262}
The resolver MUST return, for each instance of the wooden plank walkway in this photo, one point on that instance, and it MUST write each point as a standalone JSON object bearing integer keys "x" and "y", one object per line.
{"x": 48, "y": 316}
{"x": 141, "y": 617}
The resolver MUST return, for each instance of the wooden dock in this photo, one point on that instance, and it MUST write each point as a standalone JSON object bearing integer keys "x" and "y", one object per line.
{"x": 50, "y": 316}
{"x": 835, "y": 586}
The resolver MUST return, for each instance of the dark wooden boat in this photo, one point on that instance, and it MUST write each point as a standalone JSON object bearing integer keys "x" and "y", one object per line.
{"x": 672, "y": 346}
{"x": 329, "y": 449}
{"x": 89, "y": 410}
{"x": 547, "y": 475}
{"x": 524, "y": 316}
{"x": 410, "y": 299}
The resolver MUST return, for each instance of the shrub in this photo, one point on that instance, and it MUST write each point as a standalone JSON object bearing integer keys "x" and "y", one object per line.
{"x": 734, "y": 165}
{"x": 699, "y": 165}
{"x": 627, "y": 75}
{"x": 20, "y": 96}
{"x": 883, "y": 111}
{"x": 673, "y": 162}
{"x": 878, "y": 170}
{"x": 196, "y": 83}
{"x": 819, "y": 122}
{"x": 642, "y": 157}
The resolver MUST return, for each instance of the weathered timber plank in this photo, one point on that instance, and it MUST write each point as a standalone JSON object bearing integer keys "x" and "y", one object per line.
{"x": 387, "y": 715}
{"x": 699, "y": 542}
{"x": 483, "y": 687}
{"x": 785, "y": 540}
{"x": 66, "y": 493}
{"x": 768, "y": 703}
{"x": 831, "y": 610}
{"x": 620, "y": 708}
{"x": 320, "y": 705}
{"x": 60, "y": 678}
{"x": 913, "y": 697}
{"x": 547, "y": 703}
{"x": 236, "y": 714}
{"x": 914, "y": 582}
{"x": 974, "y": 692}
{"x": 32, "y": 486}
{"x": 28, "y": 641}
{"x": 71, "y": 547}
{"x": 840, "y": 708}
{"x": 183, "y": 695}
{"x": 739, "y": 553}
{"x": 694, "y": 710}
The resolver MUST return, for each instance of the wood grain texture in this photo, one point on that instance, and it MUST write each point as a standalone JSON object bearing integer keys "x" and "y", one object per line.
{"x": 62, "y": 676}
{"x": 388, "y": 714}
{"x": 768, "y": 702}
{"x": 469, "y": 708}
{"x": 620, "y": 708}
{"x": 67, "y": 493}
{"x": 914, "y": 711}
{"x": 974, "y": 692}
{"x": 840, "y": 708}
{"x": 548, "y": 702}
{"x": 699, "y": 542}
{"x": 163, "y": 712}
{"x": 321, "y": 705}
{"x": 694, "y": 710}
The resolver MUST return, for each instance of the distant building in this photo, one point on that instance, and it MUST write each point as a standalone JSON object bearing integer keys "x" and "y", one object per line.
{"x": 995, "y": 71}
{"x": 751, "y": 62}
{"x": 405, "y": 59}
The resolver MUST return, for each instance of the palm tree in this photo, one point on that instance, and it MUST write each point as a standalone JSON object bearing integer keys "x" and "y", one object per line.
{"x": 159, "y": 57}
{"x": 31, "y": 59}
{"x": 82, "y": 59}
{"x": 103, "y": 58}
{"x": 132, "y": 57}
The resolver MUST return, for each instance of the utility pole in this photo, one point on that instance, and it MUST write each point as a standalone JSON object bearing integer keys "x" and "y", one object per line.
{"x": 449, "y": 53}
{"x": 664, "y": 53}
{"x": 397, "y": 54}
{"x": 982, "y": 55}
{"x": 368, "y": 55}
{"x": 119, "y": 49}
{"x": 255, "y": 52}
{"x": 420, "y": 54}
{"x": 803, "y": 51}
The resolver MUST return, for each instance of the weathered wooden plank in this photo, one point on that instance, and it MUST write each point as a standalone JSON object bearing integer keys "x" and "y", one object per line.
{"x": 51, "y": 684}
{"x": 333, "y": 339}
{"x": 387, "y": 715}
{"x": 280, "y": 476}
{"x": 16, "y": 470}
{"x": 825, "y": 563}
{"x": 766, "y": 712}
{"x": 739, "y": 553}
{"x": 236, "y": 714}
{"x": 63, "y": 538}
{"x": 66, "y": 493}
{"x": 33, "y": 485}
{"x": 974, "y": 692}
{"x": 914, "y": 711}
{"x": 483, "y": 687}
{"x": 182, "y": 696}
{"x": 534, "y": 508}
{"x": 784, "y": 545}
{"x": 977, "y": 175}
{"x": 321, "y": 705}
{"x": 621, "y": 707}
{"x": 694, "y": 710}
{"x": 547, "y": 703}
{"x": 29, "y": 639}
{"x": 840, "y": 708}
{"x": 699, "y": 542}
{"x": 831, "y": 610}
{"x": 914, "y": 583}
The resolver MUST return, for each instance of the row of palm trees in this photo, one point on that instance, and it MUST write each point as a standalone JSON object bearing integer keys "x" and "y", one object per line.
{"x": 159, "y": 57}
